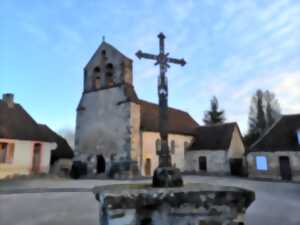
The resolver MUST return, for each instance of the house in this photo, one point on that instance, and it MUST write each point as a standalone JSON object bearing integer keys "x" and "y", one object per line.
{"x": 114, "y": 126}
{"x": 217, "y": 149}
{"x": 276, "y": 155}
{"x": 62, "y": 155}
{"x": 25, "y": 145}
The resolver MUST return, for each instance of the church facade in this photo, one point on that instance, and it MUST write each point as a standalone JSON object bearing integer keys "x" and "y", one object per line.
{"x": 116, "y": 132}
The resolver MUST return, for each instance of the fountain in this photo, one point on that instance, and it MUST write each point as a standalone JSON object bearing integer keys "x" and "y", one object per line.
{"x": 168, "y": 201}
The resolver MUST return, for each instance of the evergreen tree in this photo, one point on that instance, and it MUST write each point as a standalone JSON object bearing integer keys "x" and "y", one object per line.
{"x": 214, "y": 116}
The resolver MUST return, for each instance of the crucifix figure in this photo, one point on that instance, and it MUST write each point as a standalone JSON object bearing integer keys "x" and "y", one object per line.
{"x": 165, "y": 175}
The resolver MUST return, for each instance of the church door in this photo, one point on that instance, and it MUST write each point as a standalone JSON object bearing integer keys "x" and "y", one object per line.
{"x": 202, "y": 163}
{"x": 148, "y": 167}
{"x": 100, "y": 164}
{"x": 285, "y": 168}
{"x": 36, "y": 158}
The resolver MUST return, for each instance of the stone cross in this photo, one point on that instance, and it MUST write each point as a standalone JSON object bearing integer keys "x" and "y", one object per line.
{"x": 163, "y": 60}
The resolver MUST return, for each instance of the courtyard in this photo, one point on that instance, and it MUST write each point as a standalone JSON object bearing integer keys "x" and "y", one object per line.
{"x": 71, "y": 202}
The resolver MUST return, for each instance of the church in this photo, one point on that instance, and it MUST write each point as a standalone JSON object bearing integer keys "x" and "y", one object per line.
{"x": 118, "y": 133}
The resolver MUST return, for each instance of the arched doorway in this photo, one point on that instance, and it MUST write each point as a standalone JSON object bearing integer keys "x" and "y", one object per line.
{"x": 148, "y": 167}
{"x": 100, "y": 164}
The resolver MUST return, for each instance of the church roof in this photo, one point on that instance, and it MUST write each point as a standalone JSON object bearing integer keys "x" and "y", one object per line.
{"x": 16, "y": 123}
{"x": 282, "y": 136}
{"x": 215, "y": 137}
{"x": 179, "y": 122}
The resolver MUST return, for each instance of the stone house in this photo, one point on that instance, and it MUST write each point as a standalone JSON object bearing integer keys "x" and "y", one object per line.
{"x": 25, "y": 146}
{"x": 114, "y": 126}
{"x": 276, "y": 155}
{"x": 217, "y": 149}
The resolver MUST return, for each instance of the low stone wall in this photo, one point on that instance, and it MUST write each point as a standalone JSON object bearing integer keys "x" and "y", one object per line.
{"x": 194, "y": 204}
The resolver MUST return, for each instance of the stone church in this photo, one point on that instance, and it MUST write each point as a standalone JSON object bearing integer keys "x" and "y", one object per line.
{"x": 116, "y": 132}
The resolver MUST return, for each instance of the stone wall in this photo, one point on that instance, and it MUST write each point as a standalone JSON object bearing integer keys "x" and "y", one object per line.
{"x": 273, "y": 171}
{"x": 237, "y": 148}
{"x": 103, "y": 126}
{"x": 193, "y": 204}
{"x": 217, "y": 161}
{"x": 149, "y": 149}
{"x": 122, "y": 67}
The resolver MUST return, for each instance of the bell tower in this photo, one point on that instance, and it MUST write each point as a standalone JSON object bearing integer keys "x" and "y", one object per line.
{"x": 106, "y": 69}
{"x": 103, "y": 120}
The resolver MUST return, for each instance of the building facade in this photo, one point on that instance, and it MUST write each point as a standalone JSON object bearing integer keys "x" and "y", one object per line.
{"x": 276, "y": 155}
{"x": 217, "y": 149}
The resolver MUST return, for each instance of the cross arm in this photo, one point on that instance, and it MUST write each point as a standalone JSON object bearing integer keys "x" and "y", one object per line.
{"x": 181, "y": 62}
{"x": 141, "y": 54}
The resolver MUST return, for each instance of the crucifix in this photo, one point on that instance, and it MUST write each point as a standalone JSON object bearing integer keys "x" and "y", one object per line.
{"x": 165, "y": 175}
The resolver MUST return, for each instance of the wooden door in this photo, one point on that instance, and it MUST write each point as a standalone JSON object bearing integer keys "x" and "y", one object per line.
{"x": 202, "y": 163}
{"x": 236, "y": 167}
{"x": 285, "y": 168}
{"x": 148, "y": 167}
{"x": 36, "y": 158}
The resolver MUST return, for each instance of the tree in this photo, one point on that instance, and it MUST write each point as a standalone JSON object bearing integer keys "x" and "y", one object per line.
{"x": 264, "y": 111}
{"x": 214, "y": 116}
{"x": 272, "y": 108}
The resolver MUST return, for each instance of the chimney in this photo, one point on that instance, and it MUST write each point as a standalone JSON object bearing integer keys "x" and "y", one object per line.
{"x": 9, "y": 99}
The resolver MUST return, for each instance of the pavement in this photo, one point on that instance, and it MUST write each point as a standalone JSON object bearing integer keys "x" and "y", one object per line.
{"x": 70, "y": 202}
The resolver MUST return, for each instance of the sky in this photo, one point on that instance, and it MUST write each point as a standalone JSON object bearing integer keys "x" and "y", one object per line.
{"x": 232, "y": 48}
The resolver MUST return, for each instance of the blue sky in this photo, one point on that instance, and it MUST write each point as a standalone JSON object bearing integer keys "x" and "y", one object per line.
{"x": 231, "y": 47}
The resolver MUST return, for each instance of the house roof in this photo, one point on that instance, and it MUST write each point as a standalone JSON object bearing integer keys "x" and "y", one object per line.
{"x": 63, "y": 149}
{"x": 179, "y": 122}
{"x": 214, "y": 137}
{"x": 16, "y": 123}
{"x": 282, "y": 136}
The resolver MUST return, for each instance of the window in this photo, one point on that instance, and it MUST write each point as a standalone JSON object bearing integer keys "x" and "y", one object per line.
{"x": 6, "y": 152}
{"x": 261, "y": 163}
{"x": 298, "y": 136}
{"x": 3, "y": 152}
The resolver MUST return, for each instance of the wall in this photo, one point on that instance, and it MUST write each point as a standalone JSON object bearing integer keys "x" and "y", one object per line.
{"x": 135, "y": 122}
{"x": 122, "y": 67}
{"x": 22, "y": 160}
{"x": 273, "y": 171}
{"x": 217, "y": 161}
{"x": 237, "y": 148}
{"x": 103, "y": 127}
{"x": 149, "y": 149}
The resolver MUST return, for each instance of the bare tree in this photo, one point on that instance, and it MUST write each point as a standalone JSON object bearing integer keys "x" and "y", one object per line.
{"x": 69, "y": 135}
{"x": 264, "y": 111}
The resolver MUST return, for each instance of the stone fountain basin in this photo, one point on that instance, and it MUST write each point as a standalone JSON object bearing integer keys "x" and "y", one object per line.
{"x": 201, "y": 204}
